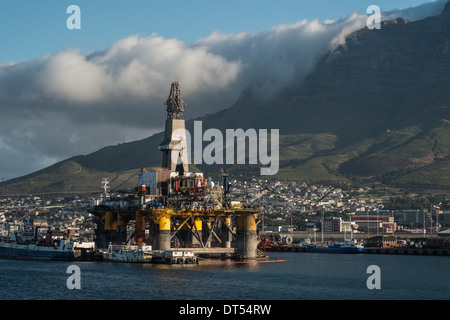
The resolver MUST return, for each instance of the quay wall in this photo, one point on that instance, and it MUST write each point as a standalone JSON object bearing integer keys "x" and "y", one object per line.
{"x": 392, "y": 251}
{"x": 408, "y": 251}
{"x": 339, "y": 236}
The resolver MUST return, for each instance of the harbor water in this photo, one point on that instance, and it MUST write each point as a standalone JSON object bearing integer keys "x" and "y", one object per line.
{"x": 302, "y": 276}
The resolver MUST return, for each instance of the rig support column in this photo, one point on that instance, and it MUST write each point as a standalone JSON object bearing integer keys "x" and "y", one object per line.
{"x": 199, "y": 226}
{"x": 139, "y": 228}
{"x": 111, "y": 227}
{"x": 209, "y": 228}
{"x": 154, "y": 232}
{"x": 246, "y": 236}
{"x": 227, "y": 236}
{"x": 164, "y": 233}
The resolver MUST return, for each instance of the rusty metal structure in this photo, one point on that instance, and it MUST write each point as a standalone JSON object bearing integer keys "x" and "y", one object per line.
{"x": 172, "y": 208}
{"x": 175, "y": 104}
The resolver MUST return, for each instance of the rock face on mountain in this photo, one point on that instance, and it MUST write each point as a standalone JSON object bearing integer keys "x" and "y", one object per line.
{"x": 371, "y": 83}
{"x": 375, "y": 108}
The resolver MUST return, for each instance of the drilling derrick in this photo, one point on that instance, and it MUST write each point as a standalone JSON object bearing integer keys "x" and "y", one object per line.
{"x": 174, "y": 145}
{"x": 175, "y": 104}
{"x": 183, "y": 210}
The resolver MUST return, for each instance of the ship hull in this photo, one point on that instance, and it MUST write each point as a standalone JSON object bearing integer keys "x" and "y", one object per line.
{"x": 31, "y": 251}
{"x": 336, "y": 250}
{"x": 133, "y": 254}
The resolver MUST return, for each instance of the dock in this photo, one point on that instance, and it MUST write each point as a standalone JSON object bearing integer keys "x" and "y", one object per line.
{"x": 408, "y": 251}
{"x": 371, "y": 250}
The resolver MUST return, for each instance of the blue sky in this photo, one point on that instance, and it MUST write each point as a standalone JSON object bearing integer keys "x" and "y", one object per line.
{"x": 31, "y": 29}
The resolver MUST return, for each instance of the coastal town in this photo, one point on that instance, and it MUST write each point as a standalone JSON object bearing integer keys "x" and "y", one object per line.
{"x": 65, "y": 216}
{"x": 297, "y": 208}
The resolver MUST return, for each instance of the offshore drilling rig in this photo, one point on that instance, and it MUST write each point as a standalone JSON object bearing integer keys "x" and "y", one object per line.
{"x": 175, "y": 209}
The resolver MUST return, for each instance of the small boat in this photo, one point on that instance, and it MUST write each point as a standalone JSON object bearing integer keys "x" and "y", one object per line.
{"x": 348, "y": 246}
{"x": 26, "y": 243}
{"x": 127, "y": 253}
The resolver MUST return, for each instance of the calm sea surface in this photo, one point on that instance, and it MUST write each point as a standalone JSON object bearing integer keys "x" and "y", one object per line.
{"x": 303, "y": 276}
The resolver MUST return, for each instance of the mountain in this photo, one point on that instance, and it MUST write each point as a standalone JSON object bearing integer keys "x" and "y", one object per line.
{"x": 376, "y": 109}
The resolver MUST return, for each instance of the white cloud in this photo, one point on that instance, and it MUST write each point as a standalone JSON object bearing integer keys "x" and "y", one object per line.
{"x": 68, "y": 77}
{"x": 271, "y": 59}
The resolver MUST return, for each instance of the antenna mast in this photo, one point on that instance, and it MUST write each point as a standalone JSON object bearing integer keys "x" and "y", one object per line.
{"x": 105, "y": 184}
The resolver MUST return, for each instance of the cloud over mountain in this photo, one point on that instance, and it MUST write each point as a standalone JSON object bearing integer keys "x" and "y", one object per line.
{"x": 69, "y": 102}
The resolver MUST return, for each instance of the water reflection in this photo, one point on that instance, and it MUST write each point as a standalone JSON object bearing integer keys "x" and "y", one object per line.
{"x": 301, "y": 276}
